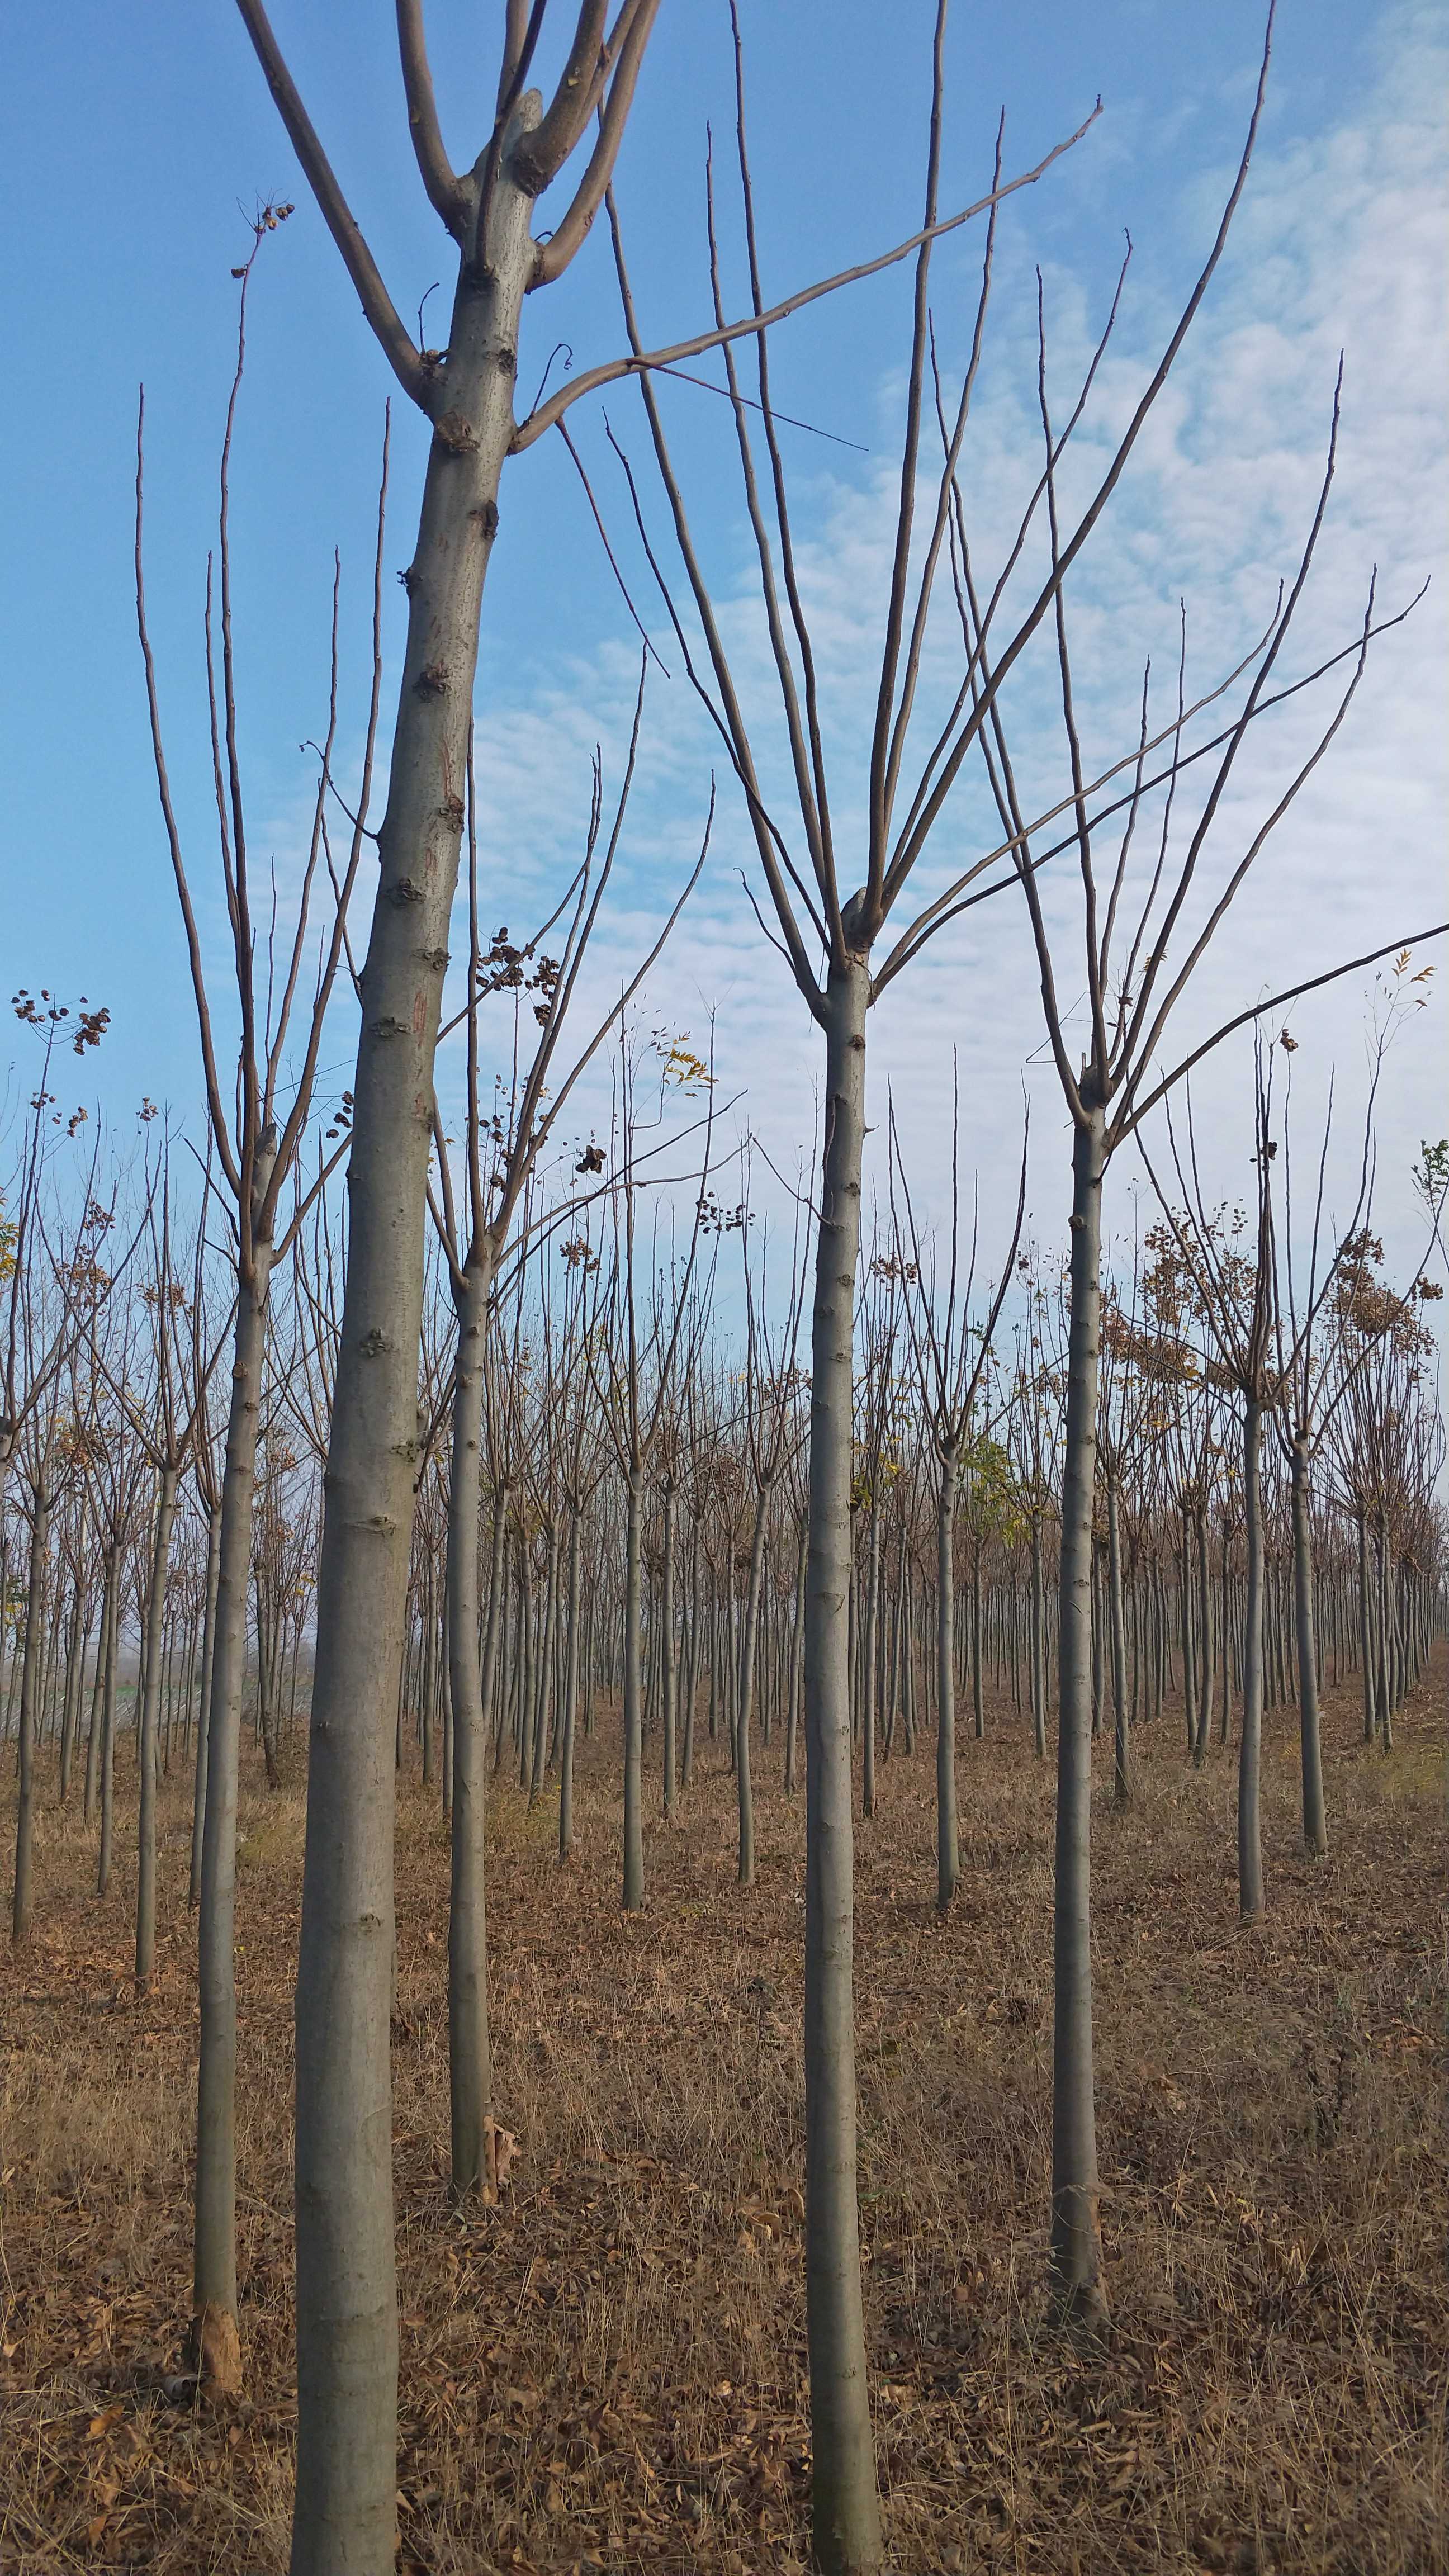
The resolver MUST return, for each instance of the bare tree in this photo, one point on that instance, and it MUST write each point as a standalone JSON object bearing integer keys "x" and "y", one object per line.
{"x": 951, "y": 1353}
{"x": 255, "y": 1143}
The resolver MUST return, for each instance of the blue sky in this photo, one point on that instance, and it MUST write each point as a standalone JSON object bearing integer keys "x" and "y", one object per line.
{"x": 135, "y": 141}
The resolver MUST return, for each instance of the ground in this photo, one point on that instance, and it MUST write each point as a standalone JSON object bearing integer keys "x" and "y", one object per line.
{"x": 607, "y": 2370}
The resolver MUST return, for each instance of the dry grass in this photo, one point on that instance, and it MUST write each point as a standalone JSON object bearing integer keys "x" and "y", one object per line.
{"x": 608, "y": 2370}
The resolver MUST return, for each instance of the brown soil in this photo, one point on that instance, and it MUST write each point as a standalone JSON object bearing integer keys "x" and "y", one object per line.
{"x": 607, "y": 2370}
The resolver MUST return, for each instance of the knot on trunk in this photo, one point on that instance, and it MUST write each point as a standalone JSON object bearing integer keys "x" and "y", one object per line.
{"x": 456, "y": 434}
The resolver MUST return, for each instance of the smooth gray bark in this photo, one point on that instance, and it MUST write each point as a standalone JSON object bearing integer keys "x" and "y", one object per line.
{"x": 669, "y": 1678}
{"x": 845, "y": 2507}
{"x": 203, "y": 1700}
{"x": 868, "y": 1695}
{"x": 633, "y": 1699}
{"x": 744, "y": 1708}
{"x": 150, "y": 1708}
{"x": 1038, "y": 1643}
{"x": 344, "y": 2518}
{"x": 21, "y": 1907}
{"x": 948, "y": 1839}
{"x": 108, "y": 1735}
{"x": 1121, "y": 1746}
{"x": 214, "y": 2300}
{"x": 98, "y": 1689}
{"x": 571, "y": 1701}
{"x": 1315, "y": 1819}
{"x": 470, "y": 2074}
{"x": 1365, "y": 1632}
{"x": 1250, "y": 1742}
{"x": 1078, "y": 2294}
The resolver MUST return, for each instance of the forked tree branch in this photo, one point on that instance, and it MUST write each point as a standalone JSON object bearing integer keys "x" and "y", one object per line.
{"x": 542, "y": 154}
{"x": 447, "y": 193}
{"x": 391, "y": 333}
{"x": 627, "y": 53}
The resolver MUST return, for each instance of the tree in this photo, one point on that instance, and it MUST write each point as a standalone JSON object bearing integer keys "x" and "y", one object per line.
{"x": 255, "y": 1147}
{"x": 951, "y": 1354}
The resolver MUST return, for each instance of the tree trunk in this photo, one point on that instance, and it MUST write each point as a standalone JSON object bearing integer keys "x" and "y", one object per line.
{"x": 1205, "y": 1608}
{"x": 669, "y": 1675}
{"x": 29, "y": 1692}
{"x": 869, "y": 1693}
{"x": 1250, "y": 1743}
{"x": 744, "y": 1788}
{"x": 470, "y": 2082}
{"x": 98, "y": 1689}
{"x": 70, "y": 1711}
{"x": 345, "y": 2513}
{"x": 1365, "y": 1631}
{"x": 797, "y": 1661}
{"x": 214, "y": 2307}
{"x": 150, "y": 1700}
{"x": 1038, "y": 1642}
{"x": 571, "y": 1701}
{"x": 1121, "y": 1748}
{"x": 845, "y": 2508}
{"x": 1315, "y": 1821}
{"x": 633, "y": 1708}
{"x": 1076, "y": 2243}
{"x": 547, "y": 1649}
{"x": 978, "y": 1719}
{"x": 948, "y": 1840}
{"x": 108, "y": 1734}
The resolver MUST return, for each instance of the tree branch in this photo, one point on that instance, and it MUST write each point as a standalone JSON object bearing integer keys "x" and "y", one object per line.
{"x": 388, "y": 327}
{"x": 554, "y": 254}
{"x": 639, "y": 362}
{"x": 447, "y": 194}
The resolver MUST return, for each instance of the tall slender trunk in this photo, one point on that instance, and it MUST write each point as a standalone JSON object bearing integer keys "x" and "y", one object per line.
{"x": 1184, "y": 1608}
{"x": 948, "y": 1840}
{"x": 845, "y": 2507}
{"x": 1205, "y": 1613}
{"x": 669, "y": 1677}
{"x": 470, "y": 2085}
{"x": 75, "y": 1657}
{"x": 497, "y": 1609}
{"x": 20, "y": 1915}
{"x": 150, "y": 1702}
{"x": 266, "y": 1687}
{"x": 797, "y": 1660}
{"x": 869, "y": 1691}
{"x": 525, "y": 1660}
{"x": 214, "y": 2303}
{"x": 571, "y": 1701}
{"x": 1365, "y": 1631}
{"x": 1038, "y": 1642}
{"x": 978, "y": 1719}
{"x": 1315, "y": 1820}
{"x": 1384, "y": 1633}
{"x": 633, "y": 1700}
{"x": 98, "y": 1687}
{"x": 108, "y": 1736}
{"x": 691, "y": 1686}
{"x": 744, "y": 1789}
{"x": 1250, "y": 1743}
{"x": 1076, "y": 2242}
{"x": 547, "y": 1650}
{"x": 1121, "y": 1747}
{"x": 347, "y": 2337}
